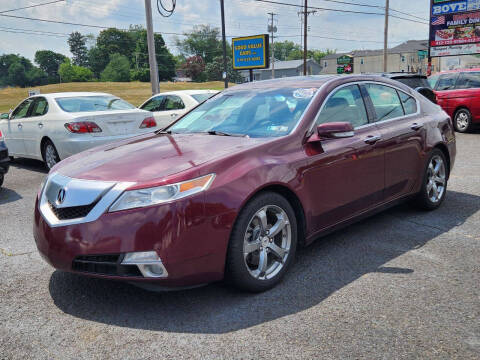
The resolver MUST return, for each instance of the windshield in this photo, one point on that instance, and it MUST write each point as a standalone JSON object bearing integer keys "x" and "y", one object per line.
{"x": 253, "y": 113}
{"x": 202, "y": 97}
{"x": 92, "y": 103}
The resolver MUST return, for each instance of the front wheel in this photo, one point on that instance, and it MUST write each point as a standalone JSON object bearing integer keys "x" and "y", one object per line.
{"x": 50, "y": 154}
{"x": 434, "y": 186}
{"x": 462, "y": 120}
{"x": 263, "y": 243}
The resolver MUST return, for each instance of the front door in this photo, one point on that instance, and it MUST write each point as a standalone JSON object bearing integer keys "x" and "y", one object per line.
{"x": 344, "y": 176}
{"x": 13, "y": 128}
{"x": 34, "y": 126}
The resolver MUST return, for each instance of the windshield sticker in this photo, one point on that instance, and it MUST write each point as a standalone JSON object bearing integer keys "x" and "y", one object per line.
{"x": 304, "y": 93}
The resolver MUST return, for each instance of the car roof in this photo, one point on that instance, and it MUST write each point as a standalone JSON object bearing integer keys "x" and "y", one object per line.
{"x": 455, "y": 71}
{"x": 400, "y": 75}
{"x": 72, "y": 94}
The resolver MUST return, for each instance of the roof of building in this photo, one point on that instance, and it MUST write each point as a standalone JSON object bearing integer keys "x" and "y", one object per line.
{"x": 288, "y": 64}
{"x": 406, "y": 47}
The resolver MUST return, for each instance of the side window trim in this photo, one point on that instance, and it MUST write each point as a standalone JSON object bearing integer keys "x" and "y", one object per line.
{"x": 368, "y": 104}
{"x": 27, "y": 114}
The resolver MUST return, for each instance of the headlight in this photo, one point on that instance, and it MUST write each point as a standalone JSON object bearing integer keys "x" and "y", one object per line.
{"x": 161, "y": 194}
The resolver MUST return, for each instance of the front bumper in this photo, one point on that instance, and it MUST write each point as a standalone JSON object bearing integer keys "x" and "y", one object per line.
{"x": 191, "y": 246}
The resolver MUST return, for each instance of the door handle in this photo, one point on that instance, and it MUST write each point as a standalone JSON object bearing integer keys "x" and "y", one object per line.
{"x": 372, "y": 139}
{"x": 173, "y": 115}
{"x": 40, "y": 125}
{"x": 416, "y": 126}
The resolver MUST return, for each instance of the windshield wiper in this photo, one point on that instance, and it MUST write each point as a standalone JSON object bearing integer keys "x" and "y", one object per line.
{"x": 222, "y": 133}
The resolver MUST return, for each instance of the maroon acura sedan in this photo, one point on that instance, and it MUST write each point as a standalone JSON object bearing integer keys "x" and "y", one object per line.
{"x": 234, "y": 186}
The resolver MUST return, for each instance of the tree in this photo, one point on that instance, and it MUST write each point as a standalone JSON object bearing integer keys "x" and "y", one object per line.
{"x": 113, "y": 41}
{"x": 74, "y": 73}
{"x": 36, "y": 76}
{"x": 49, "y": 62}
{"x": 165, "y": 60}
{"x": 17, "y": 75}
{"x": 203, "y": 41}
{"x": 214, "y": 70}
{"x": 78, "y": 47}
{"x": 283, "y": 50}
{"x": 118, "y": 69}
{"x": 194, "y": 68}
{"x": 97, "y": 60}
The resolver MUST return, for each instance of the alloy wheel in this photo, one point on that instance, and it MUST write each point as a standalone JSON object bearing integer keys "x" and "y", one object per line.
{"x": 267, "y": 242}
{"x": 462, "y": 121}
{"x": 50, "y": 156}
{"x": 436, "y": 179}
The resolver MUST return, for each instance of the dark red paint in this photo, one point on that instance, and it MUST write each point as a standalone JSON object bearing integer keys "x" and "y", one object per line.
{"x": 332, "y": 180}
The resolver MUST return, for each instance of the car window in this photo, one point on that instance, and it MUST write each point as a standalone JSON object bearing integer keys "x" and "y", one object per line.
{"x": 202, "y": 96}
{"x": 154, "y": 104}
{"x": 92, "y": 103}
{"x": 468, "y": 80}
{"x": 408, "y": 102}
{"x": 385, "y": 101}
{"x": 432, "y": 80}
{"x": 173, "y": 102}
{"x": 345, "y": 105}
{"x": 447, "y": 81}
{"x": 271, "y": 112}
{"x": 414, "y": 81}
{"x": 22, "y": 110}
{"x": 40, "y": 107}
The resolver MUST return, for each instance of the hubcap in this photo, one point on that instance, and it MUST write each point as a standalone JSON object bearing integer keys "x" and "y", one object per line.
{"x": 462, "y": 120}
{"x": 267, "y": 242}
{"x": 50, "y": 156}
{"x": 436, "y": 179}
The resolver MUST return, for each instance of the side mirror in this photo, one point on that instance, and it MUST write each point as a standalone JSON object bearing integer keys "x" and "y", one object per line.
{"x": 5, "y": 116}
{"x": 335, "y": 130}
{"x": 428, "y": 93}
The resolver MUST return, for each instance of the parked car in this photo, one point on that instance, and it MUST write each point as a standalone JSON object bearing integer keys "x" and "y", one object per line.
{"x": 4, "y": 159}
{"x": 458, "y": 93}
{"x": 169, "y": 106}
{"x": 416, "y": 81}
{"x": 278, "y": 164}
{"x": 52, "y": 127}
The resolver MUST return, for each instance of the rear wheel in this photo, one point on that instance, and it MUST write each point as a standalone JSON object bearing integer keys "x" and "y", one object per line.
{"x": 263, "y": 243}
{"x": 50, "y": 154}
{"x": 462, "y": 120}
{"x": 434, "y": 186}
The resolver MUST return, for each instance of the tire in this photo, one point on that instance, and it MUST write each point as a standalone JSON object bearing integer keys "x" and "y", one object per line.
{"x": 252, "y": 244}
{"x": 462, "y": 120}
{"x": 433, "y": 181}
{"x": 50, "y": 154}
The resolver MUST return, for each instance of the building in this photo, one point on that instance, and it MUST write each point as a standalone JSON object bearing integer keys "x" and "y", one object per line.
{"x": 283, "y": 69}
{"x": 410, "y": 56}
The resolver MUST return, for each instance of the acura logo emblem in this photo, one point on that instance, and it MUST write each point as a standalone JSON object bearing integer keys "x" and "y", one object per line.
{"x": 60, "y": 196}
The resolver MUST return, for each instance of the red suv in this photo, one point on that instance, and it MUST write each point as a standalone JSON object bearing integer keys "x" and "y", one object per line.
{"x": 458, "y": 93}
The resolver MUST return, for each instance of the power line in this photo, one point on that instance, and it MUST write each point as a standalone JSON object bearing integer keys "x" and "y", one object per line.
{"x": 32, "y": 6}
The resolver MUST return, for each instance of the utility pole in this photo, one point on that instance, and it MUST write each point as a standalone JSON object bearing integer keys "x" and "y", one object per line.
{"x": 305, "y": 14}
{"x": 272, "y": 28}
{"x": 385, "y": 37}
{"x": 224, "y": 41}
{"x": 151, "y": 49}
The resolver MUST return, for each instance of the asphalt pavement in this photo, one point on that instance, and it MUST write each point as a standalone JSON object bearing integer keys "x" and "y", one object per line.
{"x": 403, "y": 284}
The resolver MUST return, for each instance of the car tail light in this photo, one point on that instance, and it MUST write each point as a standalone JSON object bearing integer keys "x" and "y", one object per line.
{"x": 1, "y": 135}
{"x": 148, "y": 122}
{"x": 83, "y": 127}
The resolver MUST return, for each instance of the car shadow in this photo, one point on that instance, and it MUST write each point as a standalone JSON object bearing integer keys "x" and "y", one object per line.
{"x": 29, "y": 164}
{"x": 321, "y": 269}
{"x": 8, "y": 196}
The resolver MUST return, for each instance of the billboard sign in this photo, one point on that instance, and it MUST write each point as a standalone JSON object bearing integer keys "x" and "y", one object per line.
{"x": 455, "y": 29}
{"x": 250, "y": 52}
{"x": 454, "y": 50}
{"x": 345, "y": 64}
{"x": 442, "y": 8}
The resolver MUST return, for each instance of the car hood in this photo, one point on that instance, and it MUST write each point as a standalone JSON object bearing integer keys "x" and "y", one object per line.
{"x": 151, "y": 157}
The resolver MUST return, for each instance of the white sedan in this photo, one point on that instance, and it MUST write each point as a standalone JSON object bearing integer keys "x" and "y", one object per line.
{"x": 52, "y": 127}
{"x": 169, "y": 106}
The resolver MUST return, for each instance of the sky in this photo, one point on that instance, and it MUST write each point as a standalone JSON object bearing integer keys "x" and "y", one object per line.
{"x": 243, "y": 18}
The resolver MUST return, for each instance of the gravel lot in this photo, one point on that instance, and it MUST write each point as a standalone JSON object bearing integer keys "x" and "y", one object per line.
{"x": 402, "y": 284}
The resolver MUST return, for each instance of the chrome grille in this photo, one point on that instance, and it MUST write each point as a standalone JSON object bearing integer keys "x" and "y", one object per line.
{"x": 74, "y": 212}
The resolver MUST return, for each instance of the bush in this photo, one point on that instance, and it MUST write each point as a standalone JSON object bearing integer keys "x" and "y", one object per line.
{"x": 74, "y": 73}
{"x": 118, "y": 69}
{"x": 140, "y": 75}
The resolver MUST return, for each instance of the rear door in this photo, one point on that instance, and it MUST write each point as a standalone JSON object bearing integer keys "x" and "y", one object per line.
{"x": 33, "y": 126}
{"x": 13, "y": 129}
{"x": 345, "y": 176}
{"x": 447, "y": 94}
{"x": 469, "y": 83}
{"x": 402, "y": 130}
{"x": 166, "y": 109}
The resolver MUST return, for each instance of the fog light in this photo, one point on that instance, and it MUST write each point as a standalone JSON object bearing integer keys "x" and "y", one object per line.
{"x": 148, "y": 262}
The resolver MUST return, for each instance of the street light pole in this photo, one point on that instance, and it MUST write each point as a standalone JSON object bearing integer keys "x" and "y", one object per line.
{"x": 224, "y": 41}
{"x": 151, "y": 49}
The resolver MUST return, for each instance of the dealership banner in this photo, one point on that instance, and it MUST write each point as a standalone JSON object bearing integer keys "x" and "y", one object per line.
{"x": 250, "y": 52}
{"x": 454, "y": 50}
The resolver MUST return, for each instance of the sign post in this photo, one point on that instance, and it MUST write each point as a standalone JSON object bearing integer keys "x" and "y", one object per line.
{"x": 251, "y": 52}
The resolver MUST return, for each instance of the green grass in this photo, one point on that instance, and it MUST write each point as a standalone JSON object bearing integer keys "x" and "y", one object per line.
{"x": 134, "y": 92}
